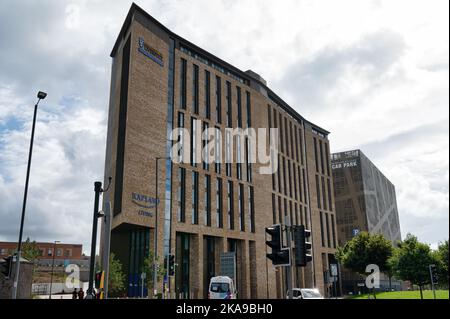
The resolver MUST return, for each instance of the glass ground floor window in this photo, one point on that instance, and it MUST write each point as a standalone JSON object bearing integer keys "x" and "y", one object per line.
{"x": 182, "y": 273}
{"x": 139, "y": 248}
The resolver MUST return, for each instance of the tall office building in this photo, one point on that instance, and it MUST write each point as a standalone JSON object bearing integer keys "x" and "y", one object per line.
{"x": 211, "y": 216}
{"x": 365, "y": 201}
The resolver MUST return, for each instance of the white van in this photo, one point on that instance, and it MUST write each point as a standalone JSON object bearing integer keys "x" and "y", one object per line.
{"x": 221, "y": 287}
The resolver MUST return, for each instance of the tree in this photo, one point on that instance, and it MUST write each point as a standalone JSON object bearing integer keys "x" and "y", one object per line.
{"x": 116, "y": 284}
{"x": 363, "y": 250}
{"x": 411, "y": 261}
{"x": 148, "y": 269}
{"x": 441, "y": 257}
{"x": 30, "y": 250}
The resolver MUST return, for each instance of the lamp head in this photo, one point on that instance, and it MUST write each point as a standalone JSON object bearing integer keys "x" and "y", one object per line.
{"x": 41, "y": 95}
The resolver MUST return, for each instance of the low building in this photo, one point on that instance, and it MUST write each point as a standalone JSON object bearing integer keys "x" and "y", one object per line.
{"x": 63, "y": 254}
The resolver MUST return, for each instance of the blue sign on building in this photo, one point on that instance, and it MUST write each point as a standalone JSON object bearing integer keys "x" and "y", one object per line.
{"x": 150, "y": 52}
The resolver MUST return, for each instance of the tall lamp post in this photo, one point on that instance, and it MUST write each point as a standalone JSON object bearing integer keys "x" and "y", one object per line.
{"x": 155, "y": 239}
{"x": 40, "y": 96}
{"x": 53, "y": 266}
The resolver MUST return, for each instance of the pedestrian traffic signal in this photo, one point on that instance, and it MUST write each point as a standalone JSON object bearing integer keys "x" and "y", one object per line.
{"x": 171, "y": 265}
{"x": 280, "y": 256}
{"x": 434, "y": 274}
{"x": 5, "y": 267}
{"x": 302, "y": 246}
{"x": 98, "y": 279}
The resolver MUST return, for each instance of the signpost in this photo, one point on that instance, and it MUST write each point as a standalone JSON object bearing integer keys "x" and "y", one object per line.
{"x": 334, "y": 275}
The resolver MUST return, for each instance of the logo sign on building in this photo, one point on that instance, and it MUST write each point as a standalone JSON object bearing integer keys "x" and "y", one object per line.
{"x": 355, "y": 232}
{"x": 345, "y": 164}
{"x": 150, "y": 52}
{"x": 144, "y": 203}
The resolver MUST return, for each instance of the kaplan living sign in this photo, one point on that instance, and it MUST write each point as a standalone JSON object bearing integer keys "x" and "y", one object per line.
{"x": 144, "y": 203}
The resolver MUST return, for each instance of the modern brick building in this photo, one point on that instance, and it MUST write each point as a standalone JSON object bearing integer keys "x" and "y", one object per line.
{"x": 365, "y": 201}
{"x": 47, "y": 250}
{"x": 161, "y": 81}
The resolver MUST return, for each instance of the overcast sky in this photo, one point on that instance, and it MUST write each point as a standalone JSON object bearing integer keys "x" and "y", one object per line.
{"x": 373, "y": 73}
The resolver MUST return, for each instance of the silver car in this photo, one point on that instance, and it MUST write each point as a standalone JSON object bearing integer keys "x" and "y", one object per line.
{"x": 306, "y": 293}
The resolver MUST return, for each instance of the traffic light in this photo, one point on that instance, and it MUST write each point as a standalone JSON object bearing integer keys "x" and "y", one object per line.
{"x": 6, "y": 267}
{"x": 280, "y": 256}
{"x": 434, "y": 274}
{"x": 171, "y": 265}
{"x": 302, "y": 246}
{"x": 98, "y": 279}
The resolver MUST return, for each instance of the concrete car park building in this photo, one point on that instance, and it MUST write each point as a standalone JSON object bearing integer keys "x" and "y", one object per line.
{"x": 365, "y": 201}
{"x": 161, "y": 81}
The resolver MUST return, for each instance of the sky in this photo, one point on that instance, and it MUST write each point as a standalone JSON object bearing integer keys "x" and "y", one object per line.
{"x": 374, "y": 73}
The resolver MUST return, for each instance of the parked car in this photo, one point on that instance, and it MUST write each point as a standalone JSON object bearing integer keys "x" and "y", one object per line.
{"x": 221, "y": 287}
{"x": 306, "y": 293}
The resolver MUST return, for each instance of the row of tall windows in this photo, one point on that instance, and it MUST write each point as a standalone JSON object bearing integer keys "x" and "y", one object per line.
{"x": 207, "y": 207}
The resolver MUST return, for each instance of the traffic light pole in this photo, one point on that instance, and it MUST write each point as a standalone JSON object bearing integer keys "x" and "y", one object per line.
{"x": 289, "y": 268}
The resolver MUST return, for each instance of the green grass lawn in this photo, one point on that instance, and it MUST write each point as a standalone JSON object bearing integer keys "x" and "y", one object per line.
{"x": 427, "y": 294}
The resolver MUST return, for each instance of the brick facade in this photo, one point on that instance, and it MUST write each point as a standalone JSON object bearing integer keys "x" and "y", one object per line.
{"x": 137, "y": 134}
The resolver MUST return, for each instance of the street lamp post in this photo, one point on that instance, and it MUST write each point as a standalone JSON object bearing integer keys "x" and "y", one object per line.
{"x": 40, "y": 96}
{"x": 53, "y": 266}
{"x": 97, "y": 214}
{"x": 155, "y": 237}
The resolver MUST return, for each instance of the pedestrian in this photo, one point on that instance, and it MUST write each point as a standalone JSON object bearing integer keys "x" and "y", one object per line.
{"x": 75, "y": 294}
{"x": 81, "y": 294}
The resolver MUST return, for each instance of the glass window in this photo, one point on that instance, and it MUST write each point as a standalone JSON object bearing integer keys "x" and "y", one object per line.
{"x": 322, "y": 230}
{"x": 248, "y": 159}
{"x": 193, "y": 141}
{"x": 327, "y": 158}
{"x": 183, "y": 84}
{"x": 330, "y": 202}
{"x": 286, "y": 129}
{"x": 294, "y": 171}
{"x": 228, "y": 153}
{"x": 181, "y": 136}
{"x": 230, "y": 204}
{"x": 249, "y": 111}
{"x": 241, "y": 207}
{"x": 239, "y": 107}
{"x": 207, "y": 95}
{"x": 195, "y": 198}
{"x": 205, "y": 146}
{"x": 321, "y": 157}
{"x": 195, "y": 89}
{"x": 319, "y": 205}
{"x": 280, "y": 132}
{"x": 218, "y": 149}
{"x": 218, "y": 100}
{"x": 219, "y": 215}
{"x": 181, "y": 195}
{"x": 280, "y": 209}
{"x": 238, "y": 157}
{"x": 207, "y": 200}
{"x": 316, "y": 155}
{"x": 327, "y": 223}
{"x": 324, "y": 200}
{"x": 333, "y": 230}
{"x": 229, "y": 106}
{"x": 301, "y": 145}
